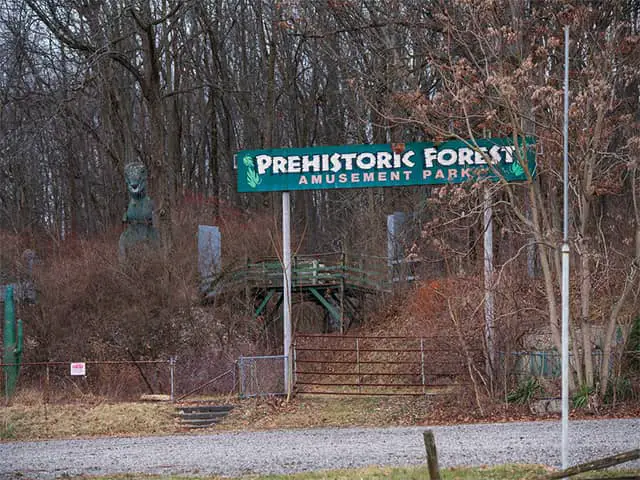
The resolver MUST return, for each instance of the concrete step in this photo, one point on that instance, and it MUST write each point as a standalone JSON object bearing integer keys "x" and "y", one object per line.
{"x": 204, "y": 408}
{"x": 201, "y": 416}
{"x": 198, "y": 422}
{"x": 197, "y": 415}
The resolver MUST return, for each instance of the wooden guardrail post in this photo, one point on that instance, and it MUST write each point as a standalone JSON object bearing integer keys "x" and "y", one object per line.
{"x": 595, "y": 465}
{"x": 432, "y": 455}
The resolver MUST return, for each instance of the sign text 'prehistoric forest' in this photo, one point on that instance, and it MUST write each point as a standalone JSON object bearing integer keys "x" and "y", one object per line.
{"x": 385, "y": 165}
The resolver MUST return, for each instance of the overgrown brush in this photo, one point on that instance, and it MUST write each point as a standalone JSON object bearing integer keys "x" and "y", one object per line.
{"x": 93, "y": 306}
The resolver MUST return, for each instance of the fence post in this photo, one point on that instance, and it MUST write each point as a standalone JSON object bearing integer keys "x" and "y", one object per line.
{"x": 358, "y": 364}
{"x": 236, "y": 386}
{"x": 424, "y": 390}
{"x": 432, "y": 455}
{"x": 172, "y": 367}
{"x": 240, "y": 377}
{"x": 46, "y": 387}
{"x": 295, "y": 359}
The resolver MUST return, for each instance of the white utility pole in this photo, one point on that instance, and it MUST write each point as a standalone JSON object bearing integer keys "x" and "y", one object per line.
{"x": 286, "y": 288}
{"x": 565, "y": 263}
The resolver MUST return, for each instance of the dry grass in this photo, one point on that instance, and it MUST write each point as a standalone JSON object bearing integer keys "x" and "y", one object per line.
{"x": 307, "y": 411}
{"x": 507, "y": 472}
{"x": 29, "y": 418}
{"x": 42, "y": 421}
{"x": 503, "y": 472}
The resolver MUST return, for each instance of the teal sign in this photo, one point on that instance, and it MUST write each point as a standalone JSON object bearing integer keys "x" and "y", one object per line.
{"x": 390, "y": 165}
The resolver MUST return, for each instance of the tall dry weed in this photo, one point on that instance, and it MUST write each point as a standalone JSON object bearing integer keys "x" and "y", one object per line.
{"x": 92, "y": 306}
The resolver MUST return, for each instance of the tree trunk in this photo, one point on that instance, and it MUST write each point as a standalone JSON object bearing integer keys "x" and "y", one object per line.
{"x": 585, "y": 324}
{"x": 630, "y": 283}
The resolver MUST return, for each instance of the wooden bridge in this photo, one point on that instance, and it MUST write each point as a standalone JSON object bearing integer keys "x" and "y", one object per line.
{"x": 336, "y": 281}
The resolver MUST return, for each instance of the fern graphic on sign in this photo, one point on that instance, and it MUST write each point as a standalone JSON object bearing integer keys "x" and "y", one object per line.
{"x": 253, "y": 179}
{"x": 517, "y": 169}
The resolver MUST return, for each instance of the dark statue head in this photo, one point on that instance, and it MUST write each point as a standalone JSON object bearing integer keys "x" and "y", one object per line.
{"x": 135, "y": 174}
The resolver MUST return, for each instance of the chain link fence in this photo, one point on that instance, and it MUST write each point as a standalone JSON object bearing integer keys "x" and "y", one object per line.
{"x": 261, "y": 376}
{"x": 623, "y": 368}
{"x": 66, "y": 382}
{"x": 125, "y": 381}
{"x": 544, "y": 363}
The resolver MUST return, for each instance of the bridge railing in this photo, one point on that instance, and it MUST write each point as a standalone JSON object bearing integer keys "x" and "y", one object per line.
{"x": 356, "y": 271}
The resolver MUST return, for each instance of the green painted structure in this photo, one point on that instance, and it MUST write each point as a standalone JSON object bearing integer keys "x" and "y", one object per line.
{"x": 337, "y": 282}
{"x": 12, "y": 343}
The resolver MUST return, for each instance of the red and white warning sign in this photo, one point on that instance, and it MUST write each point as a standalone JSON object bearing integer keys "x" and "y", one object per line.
{"x": 78, "y": 368}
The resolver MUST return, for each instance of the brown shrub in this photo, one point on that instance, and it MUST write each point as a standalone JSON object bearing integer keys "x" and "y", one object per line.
{"x": 91, "y": 306}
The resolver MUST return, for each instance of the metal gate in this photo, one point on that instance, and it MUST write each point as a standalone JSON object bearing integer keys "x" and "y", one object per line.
{"x": 367, "y": 365}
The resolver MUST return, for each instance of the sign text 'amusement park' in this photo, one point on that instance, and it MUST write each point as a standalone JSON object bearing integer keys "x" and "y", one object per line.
{"x": 385, "y": 165}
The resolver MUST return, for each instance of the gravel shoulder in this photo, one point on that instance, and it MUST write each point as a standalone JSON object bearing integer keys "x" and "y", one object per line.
{"x": 288, "y": 451}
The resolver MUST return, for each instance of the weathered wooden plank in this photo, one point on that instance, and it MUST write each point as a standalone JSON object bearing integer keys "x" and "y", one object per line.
{"x": 599, "y": 464}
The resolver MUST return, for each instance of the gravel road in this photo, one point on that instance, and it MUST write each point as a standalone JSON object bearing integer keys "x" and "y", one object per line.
{"x": 286, "y": 451}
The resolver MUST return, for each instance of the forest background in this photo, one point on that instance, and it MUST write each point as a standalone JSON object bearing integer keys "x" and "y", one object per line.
{"x": 88, "y": 86}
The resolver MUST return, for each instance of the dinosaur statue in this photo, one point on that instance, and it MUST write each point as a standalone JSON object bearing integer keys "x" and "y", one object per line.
{"x": 139, "y": 214}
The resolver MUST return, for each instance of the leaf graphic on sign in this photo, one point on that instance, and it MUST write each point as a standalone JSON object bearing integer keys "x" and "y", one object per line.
{"x": 517, "y": 169}
{"x": 253, "y": 179}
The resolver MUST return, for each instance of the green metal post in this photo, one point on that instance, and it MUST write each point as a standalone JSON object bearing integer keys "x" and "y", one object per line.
{"x": 12, "y": 342}
{"x": 9, "y": 325}
{"x": 264, "y": 303}
{"x": 326, "y": 304}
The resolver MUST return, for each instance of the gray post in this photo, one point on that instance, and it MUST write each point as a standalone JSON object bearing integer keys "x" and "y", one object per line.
{"x": 172, "y": 367}
{"x": 235, "y": 377}
{"x": 242, "y": 385}
{"x": 286, "y": 287}
{"x": 565, "y": 263}
{"x": 209, "y": 254}
{"x": 488, "y": 283}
